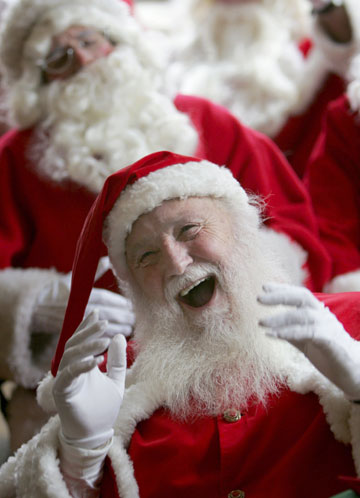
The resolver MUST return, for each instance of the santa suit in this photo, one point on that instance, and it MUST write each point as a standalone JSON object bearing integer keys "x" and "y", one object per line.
{"x": 40, "y": 221}
{"x": 326, "y": 81}
{"x": 295, "y": 447}
{"x": 297, "y": 137}
{"x": 325, "y": 67}
{"x": 333, "y": 181}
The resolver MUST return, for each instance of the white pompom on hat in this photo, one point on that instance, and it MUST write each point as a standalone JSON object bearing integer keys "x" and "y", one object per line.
{"x": 125, "y": 196}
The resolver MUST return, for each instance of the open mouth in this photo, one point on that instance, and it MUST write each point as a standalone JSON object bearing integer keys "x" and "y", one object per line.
{"x": 198, "y": 294}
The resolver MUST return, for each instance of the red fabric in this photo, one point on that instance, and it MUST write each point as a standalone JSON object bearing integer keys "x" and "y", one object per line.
{"x": 353, "y": 484}
{"x": 333, "y": 181}
{"x": 286, "y": 450}
{"x": 40, "y": 221}
{"x": 297, "y": 137}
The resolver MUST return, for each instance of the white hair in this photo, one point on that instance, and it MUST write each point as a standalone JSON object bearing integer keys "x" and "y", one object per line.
{"x": 244, "y": 56}
{"x": 21, "y": 71}
{"x": 104, "y": 118}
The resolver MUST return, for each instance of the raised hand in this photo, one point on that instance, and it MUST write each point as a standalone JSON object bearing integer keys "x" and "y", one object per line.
{"x": 88, "y": 400}
{"x": 314, "y": 329}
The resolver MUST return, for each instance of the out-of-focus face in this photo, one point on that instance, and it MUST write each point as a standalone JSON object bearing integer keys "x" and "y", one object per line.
{"x": 73, "y": 49}
{"x": 171, "y": 252}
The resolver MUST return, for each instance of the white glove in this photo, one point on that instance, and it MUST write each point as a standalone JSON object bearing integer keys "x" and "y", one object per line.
{"x": 88, "y": 400}
{"x": 315, "y": 331}
{"x": 49, "y": 312}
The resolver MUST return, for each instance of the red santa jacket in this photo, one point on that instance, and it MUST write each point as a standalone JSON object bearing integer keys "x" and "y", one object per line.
{"x": 285, "y": 450}
{"x": 333, "y": 181}
{"x": 40, "y": 220}
{"x": 297, "y": 137}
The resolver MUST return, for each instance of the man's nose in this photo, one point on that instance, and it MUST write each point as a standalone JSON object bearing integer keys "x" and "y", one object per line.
{"x": 83, "y": 55}
{"x": 177, "y": 257}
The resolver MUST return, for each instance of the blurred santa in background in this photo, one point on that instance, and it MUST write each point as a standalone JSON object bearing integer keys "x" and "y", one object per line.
{"x": 274, "y": 64}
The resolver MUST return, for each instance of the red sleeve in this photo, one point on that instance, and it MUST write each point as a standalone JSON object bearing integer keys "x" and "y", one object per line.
{"x": 333, "y": 181}
{"x": 261, "y": 168}
{"x": 297, "y": 138}
{"x": 15, "y": 228}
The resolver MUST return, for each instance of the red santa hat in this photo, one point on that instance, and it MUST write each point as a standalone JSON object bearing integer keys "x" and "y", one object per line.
{"x": 40, "y": 20}
{"x": 125, "y": 196}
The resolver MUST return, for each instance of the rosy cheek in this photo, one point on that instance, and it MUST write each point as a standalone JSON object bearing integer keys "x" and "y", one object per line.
{"x": 149, "y": 281}
{"x": 207, "y": 249}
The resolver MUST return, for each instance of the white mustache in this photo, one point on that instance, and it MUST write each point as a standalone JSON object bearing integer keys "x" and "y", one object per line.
{"x": 193, "y": 273}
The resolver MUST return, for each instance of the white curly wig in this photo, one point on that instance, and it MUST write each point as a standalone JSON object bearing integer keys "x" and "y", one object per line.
{"x": 26, "y": 32}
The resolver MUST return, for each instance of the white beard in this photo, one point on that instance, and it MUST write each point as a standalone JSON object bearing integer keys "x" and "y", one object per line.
{"x": 245, "y": 58}
{"x": 106, "y": 117}
{"x": 222, "y": 359}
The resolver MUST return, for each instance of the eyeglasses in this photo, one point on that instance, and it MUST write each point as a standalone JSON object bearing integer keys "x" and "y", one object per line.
{"x": 63, "y": 59}
{"x": 59, "y": 61}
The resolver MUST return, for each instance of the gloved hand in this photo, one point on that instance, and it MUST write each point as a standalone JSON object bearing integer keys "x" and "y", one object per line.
{"x": 88, "y": 400}
{"x": 48, "y": 314}
{"x": 315, "y": 331}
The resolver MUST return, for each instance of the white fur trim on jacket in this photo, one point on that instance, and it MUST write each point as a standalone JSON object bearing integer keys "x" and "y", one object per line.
{"x": 291, "y": 256}
{"x": 179, "y": 181}
{"x": 141, "y": 401}
{"x": 347, "y": 282}
{"x": 21, "y": 359}
{"x": 44, "y": 394}
{"x": 34, "y": 470}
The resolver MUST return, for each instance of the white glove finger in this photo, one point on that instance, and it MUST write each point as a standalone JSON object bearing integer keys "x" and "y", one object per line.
{"x": 67, "y": 378}
{"x": 88, "y": 329}
{"x": 105, "y": 297}
{"x": 283, "y": 294}
{"x": 116, "y": 362}
{"x": 293, "y": 333}
{"x": 113, "y": 315}
{"x": 115, "y": 329}
{"x": 301, "y": 317}
{"x": 103, "y": 266}
{"x": 81, "y": 352}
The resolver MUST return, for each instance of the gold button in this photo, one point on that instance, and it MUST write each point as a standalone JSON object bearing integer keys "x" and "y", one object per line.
{"x": 232, "y": 415}
{"x": 237, "y": 493}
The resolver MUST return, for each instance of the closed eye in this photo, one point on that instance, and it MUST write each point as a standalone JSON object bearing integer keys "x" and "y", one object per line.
{"x": 147, "y": 258}
{"x": 189, "y": 232}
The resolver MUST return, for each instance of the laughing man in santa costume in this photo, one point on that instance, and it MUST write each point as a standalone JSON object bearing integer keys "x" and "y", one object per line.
{"x": 274, "y": 64}
{"x": 333, "y": 179}
{"x": 84, "y": 93}
{"x": 241, "y": 384}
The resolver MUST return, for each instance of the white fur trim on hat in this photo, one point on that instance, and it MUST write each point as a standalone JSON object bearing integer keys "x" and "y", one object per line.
{"x": 179, "y": 181}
